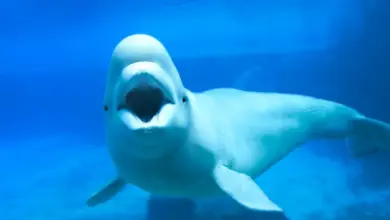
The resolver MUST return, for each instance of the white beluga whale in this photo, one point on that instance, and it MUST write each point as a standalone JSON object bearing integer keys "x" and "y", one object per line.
{"x": 170, "y": 141}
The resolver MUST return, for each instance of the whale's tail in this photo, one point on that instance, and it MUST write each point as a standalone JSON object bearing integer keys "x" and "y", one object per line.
{"x": 369, "y": 136}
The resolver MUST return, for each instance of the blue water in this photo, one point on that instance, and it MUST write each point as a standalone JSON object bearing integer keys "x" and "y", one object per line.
{"x": 53, "y": 62}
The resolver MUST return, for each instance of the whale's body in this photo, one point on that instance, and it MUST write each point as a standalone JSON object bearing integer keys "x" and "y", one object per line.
{"x": 215, "y": 142}
{"x": 248, "y": 131}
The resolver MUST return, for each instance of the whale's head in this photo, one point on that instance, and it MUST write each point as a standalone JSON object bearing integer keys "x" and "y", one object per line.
{"x": 147, "y": 110}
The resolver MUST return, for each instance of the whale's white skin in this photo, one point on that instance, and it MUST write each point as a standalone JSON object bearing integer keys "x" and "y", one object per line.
{"x": 211, "y": 143}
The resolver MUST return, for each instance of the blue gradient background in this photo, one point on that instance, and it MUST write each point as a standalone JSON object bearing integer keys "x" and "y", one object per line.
{"x": 54, "y": 59}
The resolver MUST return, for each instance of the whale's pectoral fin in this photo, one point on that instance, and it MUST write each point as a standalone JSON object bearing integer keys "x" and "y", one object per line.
{"x": 107, "y": 192}
{"x": 243, "y": 189}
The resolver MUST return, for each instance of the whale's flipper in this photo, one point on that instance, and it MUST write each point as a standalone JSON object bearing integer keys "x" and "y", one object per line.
{"x": 369, "y": 136}
{"x": 107, "y": 192}
{"x": 243, "y": 189}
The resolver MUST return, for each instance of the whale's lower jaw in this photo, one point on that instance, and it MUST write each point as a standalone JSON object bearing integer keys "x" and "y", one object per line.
{"x": 156, "y": 122}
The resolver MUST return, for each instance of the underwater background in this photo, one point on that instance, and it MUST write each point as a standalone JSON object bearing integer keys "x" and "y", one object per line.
{"x": 54, "y": 60}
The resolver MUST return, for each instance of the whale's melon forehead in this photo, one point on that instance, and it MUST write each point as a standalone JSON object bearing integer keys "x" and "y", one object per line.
{"x": 140, "y": 47}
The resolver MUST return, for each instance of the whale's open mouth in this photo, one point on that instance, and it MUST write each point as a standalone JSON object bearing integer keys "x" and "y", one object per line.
{"x": 145, "y": 100}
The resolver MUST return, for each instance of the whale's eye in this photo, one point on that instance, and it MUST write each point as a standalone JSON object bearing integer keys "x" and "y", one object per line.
{"x": 105, "y": 108}
{"x": 184, "y": 99}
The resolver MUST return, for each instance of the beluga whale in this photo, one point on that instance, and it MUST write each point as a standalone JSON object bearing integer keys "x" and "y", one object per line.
{"x": 172, "y": 142}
